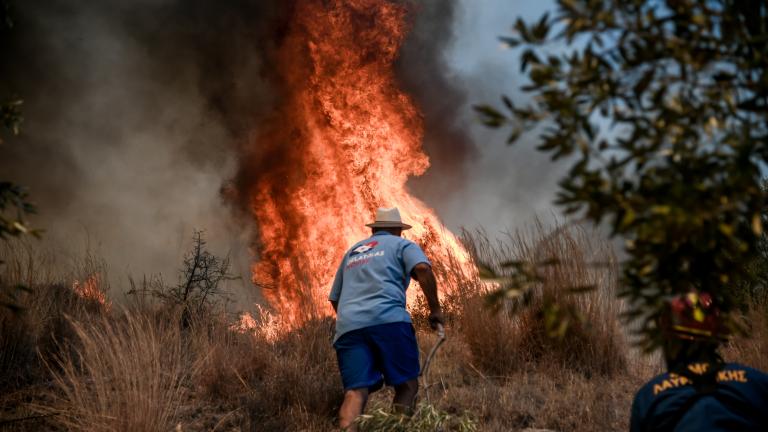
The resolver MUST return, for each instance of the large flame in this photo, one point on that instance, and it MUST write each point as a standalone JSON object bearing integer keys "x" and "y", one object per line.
{"x": 347, "y": 140}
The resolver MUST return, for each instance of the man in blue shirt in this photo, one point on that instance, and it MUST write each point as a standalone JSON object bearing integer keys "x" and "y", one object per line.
{"x": 699, "y": 392}
{"x": 375, "y": 341}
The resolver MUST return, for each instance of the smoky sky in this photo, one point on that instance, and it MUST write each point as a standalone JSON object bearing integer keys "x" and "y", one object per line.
{"x": 137, "y": 114}
{"x": 133, "y": 112}
{"x": 507, "y": 188}
{"x": 425, "y": 75}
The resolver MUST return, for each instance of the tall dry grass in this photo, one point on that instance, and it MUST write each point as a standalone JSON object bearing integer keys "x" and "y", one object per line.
{"x": 514, "y": 337}
{"x": 752, "y": 349}
{"x": 34, "y": 303}
{"x": 86, "y": 366}
{"x": 122, "y": 374}
{"x": 37, "y": 304}
{"x": 72, "y": 363}
{"x": 263, "y": 379}
{"x": 301, "y": 380}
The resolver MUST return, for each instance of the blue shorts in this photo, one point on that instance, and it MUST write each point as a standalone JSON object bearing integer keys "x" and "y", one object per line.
{"x": 371, "y": 356}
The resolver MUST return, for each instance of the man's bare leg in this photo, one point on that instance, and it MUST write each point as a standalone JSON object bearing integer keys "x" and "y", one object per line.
{"x": 405, "y": 395}
{"x": 352, "y": 407}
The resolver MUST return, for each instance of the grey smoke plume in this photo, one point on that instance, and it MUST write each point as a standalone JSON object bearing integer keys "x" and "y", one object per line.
{"x": 505, "y": 187}
{"x": 426, "y": 75}
{"x": 452, "y": 60}
{"x": 133, "y": 113}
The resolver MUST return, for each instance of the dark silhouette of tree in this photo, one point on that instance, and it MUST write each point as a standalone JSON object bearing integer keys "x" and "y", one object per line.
{"x": 199, "y": 286}
{"x": 14, "y": 203}
{"x": 14, "y": 200}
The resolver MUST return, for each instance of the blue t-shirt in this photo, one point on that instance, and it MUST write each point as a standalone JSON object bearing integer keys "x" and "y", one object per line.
{"x": 739, "y": 402}
{"x": 371, "y": 281}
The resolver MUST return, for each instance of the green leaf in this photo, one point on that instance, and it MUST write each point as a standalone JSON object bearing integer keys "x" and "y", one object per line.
{"x": 528, "y": 57}
{"x": 509, "y": 42}
{"x": 514, "y": 135}
{"x": 644, "y": 82}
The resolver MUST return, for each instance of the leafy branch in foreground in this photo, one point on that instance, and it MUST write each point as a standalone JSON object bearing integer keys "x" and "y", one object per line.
{"x": 14, "y": 201}
{"x": 662, "y": 108}
{"x": 517, "y": 282}
{"x": 13, "y": 209}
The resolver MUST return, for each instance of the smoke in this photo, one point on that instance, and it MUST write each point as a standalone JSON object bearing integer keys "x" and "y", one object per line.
{"x": 505, "y": 188}
{"x": 138, "y": 113}
{"x": 426, "y": 75}
{"x": 133, "y": 113}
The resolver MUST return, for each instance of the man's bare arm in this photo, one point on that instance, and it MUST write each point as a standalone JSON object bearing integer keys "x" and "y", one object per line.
{"x": 422, "y": 272}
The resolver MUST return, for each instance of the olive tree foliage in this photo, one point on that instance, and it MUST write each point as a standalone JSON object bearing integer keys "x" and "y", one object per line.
{"x": 14, "y": 200}
{"x": 661, "y": 108}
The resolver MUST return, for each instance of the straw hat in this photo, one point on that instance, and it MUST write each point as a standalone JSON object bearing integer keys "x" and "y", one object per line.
{"x": 388, "y": 218}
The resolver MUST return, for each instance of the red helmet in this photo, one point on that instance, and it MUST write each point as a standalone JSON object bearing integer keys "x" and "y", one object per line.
{"x": 694, "y": 316}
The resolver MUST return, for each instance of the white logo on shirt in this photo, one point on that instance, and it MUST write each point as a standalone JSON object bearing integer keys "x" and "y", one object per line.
{"x": 358, "y": 260}
{"x": 362, "y": 249}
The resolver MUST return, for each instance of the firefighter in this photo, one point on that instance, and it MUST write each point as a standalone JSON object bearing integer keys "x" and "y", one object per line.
{"x": 699, "y": 392}
{"x": 375, "y": 341}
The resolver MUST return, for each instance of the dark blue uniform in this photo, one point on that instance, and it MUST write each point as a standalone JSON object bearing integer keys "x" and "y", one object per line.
{"x": 669, "y": 402}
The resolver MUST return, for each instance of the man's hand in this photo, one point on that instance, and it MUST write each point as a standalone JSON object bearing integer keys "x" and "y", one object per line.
{"x": 422, "y": 272}
{"x": 436, "y": 318}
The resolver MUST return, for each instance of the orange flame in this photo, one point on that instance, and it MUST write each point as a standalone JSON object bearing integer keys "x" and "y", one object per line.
{"x": 90, "y": 289}
{"x": 245, "y": 324}
{"x": 266, "y": 326}
{"x": 348, "y": 139}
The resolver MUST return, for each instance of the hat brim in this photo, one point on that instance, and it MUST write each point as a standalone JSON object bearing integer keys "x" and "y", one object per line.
{"x": 389, "y": 225}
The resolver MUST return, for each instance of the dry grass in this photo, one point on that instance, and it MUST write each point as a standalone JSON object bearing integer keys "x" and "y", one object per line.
{"x": 31, "y": 331}
{"x": 515, "y": 339}
{"x": 92, "y": 367}
{"x": 300, "y": 381}
{"x": 124, "y": 374}
{"x": 37, "y": 326}
{"x": 753, "y": 349}
{"x": 563, "y": 402}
